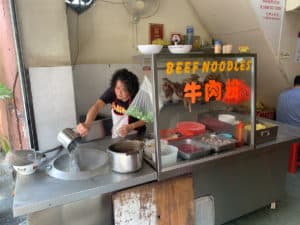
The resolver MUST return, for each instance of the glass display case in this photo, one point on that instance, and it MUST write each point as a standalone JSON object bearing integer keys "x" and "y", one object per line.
{"x": 204, "y": 108}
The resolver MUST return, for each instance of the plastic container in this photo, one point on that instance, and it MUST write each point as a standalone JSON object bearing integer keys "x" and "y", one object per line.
{"x": 168, "y": 155}
{"x": 218, "y": 46}
{"x": 191, "y": 149}
{"x": 227, "y": 49}
{"x": 173, "y": 134}
{"x": 189, "y": 35}
{"x": 217, "y": 142}
{"x": 227, "y": 118}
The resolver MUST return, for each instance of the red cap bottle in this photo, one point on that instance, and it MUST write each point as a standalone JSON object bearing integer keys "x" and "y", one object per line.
{"x": 239, "y": 133}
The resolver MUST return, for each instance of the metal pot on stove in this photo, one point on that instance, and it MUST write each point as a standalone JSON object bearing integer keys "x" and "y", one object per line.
{"x": 126, "y": 156}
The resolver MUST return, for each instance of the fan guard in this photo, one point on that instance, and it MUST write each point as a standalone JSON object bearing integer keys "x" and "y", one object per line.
{"x": 141, "y": 8}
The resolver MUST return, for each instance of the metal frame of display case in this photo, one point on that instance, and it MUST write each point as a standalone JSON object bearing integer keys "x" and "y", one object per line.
{"x": 186, "y": 167}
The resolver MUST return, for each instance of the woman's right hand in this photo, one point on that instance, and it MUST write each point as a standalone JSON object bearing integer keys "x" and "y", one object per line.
{"x": 82, "y": 129}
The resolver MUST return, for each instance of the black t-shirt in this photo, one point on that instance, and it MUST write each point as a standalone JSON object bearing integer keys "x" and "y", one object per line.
{"x": 119, "y": 107}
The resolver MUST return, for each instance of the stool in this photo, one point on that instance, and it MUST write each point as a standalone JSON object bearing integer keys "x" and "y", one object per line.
{"x": 293, "y": 161}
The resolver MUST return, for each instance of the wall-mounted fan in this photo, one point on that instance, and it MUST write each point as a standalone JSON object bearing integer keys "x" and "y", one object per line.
{"x": 141, "y": 8}
{"x": 79, "y": 5}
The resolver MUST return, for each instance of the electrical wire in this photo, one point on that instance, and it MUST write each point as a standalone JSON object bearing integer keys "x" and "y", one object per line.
{"x": 111, "y": 2}
{"x": 77, "y": 40}
{"x": 16, "y": 110}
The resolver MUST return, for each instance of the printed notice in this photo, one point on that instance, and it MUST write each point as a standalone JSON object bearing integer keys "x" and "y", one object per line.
{"x": 270, "y": 15}
{"x": 297, "y": 56}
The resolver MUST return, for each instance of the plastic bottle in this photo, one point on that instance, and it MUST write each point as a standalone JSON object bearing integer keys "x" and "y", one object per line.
{"x": 239, "y": 133}
{"x": 189, "y": 35}
{"x": 218, "y": 46}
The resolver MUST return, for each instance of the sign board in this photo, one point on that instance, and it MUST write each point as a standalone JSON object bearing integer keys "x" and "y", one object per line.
{"x": 270, "y": 15}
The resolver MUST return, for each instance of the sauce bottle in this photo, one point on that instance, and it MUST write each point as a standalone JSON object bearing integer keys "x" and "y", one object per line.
{"x": 239, "y": 134}
{"x": 217, "y": 46}
{"x": 189, "y": 35}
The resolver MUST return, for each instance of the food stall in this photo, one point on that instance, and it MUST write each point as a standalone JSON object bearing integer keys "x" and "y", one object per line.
{"x": 203, "y": 112}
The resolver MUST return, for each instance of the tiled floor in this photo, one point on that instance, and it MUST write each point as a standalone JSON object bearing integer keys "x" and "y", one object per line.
{"x": 287, "y": 210}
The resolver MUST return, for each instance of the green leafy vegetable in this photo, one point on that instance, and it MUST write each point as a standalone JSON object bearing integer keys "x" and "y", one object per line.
{"x": 5, "y": 92}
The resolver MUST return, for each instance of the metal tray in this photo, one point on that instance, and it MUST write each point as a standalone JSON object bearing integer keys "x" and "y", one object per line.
{"x": 192, "y": 149}
{"x": 217, "y": 142}
{"x": 263, "y": 135}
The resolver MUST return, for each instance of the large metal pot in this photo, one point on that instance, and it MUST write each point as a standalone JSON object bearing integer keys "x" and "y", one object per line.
{"x": 126, "y": 156}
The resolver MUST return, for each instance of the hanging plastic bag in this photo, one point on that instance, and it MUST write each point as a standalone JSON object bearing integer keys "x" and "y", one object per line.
{"x": 142, "y": 105}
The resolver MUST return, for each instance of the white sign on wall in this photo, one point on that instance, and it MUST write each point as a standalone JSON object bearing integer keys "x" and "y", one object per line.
{"x": 297, "y": 56}
{"x": 270, "y": 16}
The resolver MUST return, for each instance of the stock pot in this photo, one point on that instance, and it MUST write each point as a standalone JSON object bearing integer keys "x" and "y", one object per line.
{"x": 126, "y": 156}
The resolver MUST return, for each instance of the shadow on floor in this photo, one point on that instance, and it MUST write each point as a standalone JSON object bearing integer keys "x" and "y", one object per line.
{"x": 287, "y": 210}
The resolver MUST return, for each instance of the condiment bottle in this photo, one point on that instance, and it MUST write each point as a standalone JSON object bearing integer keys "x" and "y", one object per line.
{"x": 218, "y": 46}
{"x": 239, "y": 133}
{"x": 189, "y": 35}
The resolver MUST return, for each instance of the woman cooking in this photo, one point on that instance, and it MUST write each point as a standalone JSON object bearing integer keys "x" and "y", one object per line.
{"x": 123, "y": 87}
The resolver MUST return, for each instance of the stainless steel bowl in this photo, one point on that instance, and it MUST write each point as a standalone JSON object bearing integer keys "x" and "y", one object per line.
{"x": 126, "y": 156}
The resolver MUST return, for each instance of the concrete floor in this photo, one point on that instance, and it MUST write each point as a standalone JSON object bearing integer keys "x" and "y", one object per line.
{"x": 287, "y": 210}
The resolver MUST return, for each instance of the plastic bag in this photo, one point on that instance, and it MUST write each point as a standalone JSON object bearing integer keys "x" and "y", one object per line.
{"x": 142, "y": 104}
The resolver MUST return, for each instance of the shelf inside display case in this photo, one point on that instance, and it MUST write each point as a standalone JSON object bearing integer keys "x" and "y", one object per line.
{"x": 207, "y": 89}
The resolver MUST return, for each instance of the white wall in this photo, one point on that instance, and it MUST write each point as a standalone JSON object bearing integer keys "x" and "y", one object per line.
{"x": 102, "y": 34}
{"x": 105, "y": 31}
{"x": 97, "y": 41}
{"x": 53, "y": 102}
{"x": 236, "y": 22}
{"x": 91, "y": 80}
{"x": 291, "y": 28}
{"x": 43, "y": 32}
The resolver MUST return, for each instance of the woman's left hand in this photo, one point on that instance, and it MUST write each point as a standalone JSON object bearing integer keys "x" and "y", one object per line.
{"x": 124, "y": 130}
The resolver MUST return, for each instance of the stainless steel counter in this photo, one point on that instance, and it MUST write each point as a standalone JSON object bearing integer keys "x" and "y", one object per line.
{"x": 39, "y": 191}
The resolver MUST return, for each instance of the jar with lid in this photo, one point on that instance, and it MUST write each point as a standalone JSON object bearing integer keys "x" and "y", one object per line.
{"x": 218, "y": 46}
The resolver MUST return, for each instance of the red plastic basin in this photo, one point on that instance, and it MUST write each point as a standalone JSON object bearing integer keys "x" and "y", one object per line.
{"x": 191, "y": 126}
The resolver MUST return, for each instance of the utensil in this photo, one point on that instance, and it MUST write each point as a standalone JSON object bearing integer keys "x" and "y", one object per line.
{"x": 126, "y": 156}
{"x": 26, "y": 162}
{"x": 68, "y": 138}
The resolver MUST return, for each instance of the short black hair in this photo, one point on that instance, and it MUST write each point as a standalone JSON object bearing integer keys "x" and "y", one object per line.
{"x": 297, "y": 80}
{"x": 129, "y": 79}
